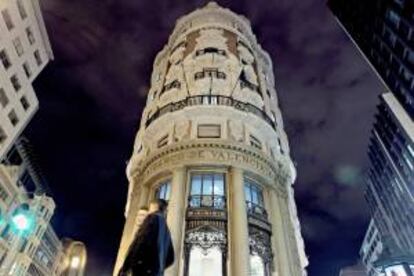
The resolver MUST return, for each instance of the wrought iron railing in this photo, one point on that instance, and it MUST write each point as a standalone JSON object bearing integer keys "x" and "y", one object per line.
{"x": 256, "y": 211}
{"x": 207, "y": 201}
{"x": 210, "y": 100}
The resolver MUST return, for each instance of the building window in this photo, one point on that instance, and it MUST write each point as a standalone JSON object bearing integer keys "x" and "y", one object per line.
{"x": 14, "y": 120}
{"x": 257, "y": 266}
{"x": 27, "y": 70}
{"x": 394, "y": 18}
{"x": 3, "y": 194}
{"x": 207, "y": 190}
{"x": 254, "y": 199}
{"x": 7, "y": 19}
{"x": 18, "y": 46}
{"x": 38, "y": 58}
{"x": 210, "y": 73}
{"x": 209, "y": 131}
{"x": 22, "y": 10}
{"x": 15, "y": 82}
{"x": 174, "y": 84}
{"x": 210, "y": 50}
{"x": 205, "y": 262}
{"x": 163, "y": 141}
{"x": 255, "y": 142}
{"x": 3, "y": 98}
{"x": 5, "y": 59}
{"x": 25, "y": 104}
{"x": 163, "y": 191}
{"x": 3, "y": 135}
{"x": 30, "y": 36}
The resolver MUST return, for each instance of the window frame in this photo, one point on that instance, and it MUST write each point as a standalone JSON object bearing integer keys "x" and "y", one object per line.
{"x": 213, "y": 194}
{"x": 164, "y": 183}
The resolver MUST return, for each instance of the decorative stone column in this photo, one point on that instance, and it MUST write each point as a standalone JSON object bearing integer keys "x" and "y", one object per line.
{"x": 239, "y": 233}
{"x": 176, "y": 215}
{"x": 279, "y": 244}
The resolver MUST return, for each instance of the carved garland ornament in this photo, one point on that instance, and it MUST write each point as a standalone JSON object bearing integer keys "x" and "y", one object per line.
{"x": 206, "y": 239}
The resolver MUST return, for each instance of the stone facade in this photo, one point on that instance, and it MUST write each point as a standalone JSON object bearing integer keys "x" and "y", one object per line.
{"x": 213, "y": 134}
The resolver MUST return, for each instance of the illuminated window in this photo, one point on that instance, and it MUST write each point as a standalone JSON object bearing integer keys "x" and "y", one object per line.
{"x": 257, "y": 267}
{"x": 254, "y": 198}
{"x": 205, "y": 263}
{"x": 207, "y": 190}
{"x": 394, "y": 18}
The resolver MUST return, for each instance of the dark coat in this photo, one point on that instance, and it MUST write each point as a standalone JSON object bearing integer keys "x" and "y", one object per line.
{"x": 152, "y": 251}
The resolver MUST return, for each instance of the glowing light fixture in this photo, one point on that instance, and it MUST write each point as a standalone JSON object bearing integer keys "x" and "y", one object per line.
{"x": 75, "y": 262}
{"x": 21, "y": 222}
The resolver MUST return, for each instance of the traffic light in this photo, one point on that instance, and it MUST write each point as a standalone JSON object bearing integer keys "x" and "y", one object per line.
{"x": 22, "y": 219}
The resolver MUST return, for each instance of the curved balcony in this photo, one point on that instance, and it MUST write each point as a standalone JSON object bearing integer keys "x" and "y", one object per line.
{"x": 256, "y": 211}
{"x": 210, "y": 100}
{"x": 207, "y": 201}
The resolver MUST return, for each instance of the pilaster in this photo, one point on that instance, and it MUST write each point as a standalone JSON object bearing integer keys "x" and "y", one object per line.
{"x": 176, "y": 215}
{"x": 280, "y": 243}
{"x": 239, "y": 242}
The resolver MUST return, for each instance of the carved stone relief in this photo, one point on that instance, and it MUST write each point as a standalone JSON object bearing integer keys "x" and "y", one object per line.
{"x": 236, "y": 130}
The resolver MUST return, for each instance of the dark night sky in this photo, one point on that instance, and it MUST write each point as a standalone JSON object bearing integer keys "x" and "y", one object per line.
{"x": 92, "y": 95}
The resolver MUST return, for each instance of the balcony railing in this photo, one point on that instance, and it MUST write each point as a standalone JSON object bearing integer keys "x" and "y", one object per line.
{"x": 207, "y": 201}
{"x": 256, "y": 211}
{"x": 210, "y": 100}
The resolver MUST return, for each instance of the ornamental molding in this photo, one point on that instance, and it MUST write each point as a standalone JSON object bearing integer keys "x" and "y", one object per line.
{"x": 260, "y": 244}
{"x": 214, "y": 153}
{"x": 206, "y": 238}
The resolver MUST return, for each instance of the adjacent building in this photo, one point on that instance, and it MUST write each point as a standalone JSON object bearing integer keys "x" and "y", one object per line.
{"x": 383, "y": 30}
{"x": 212, "y": 143}
{"x": 25, "y": 213}
{"x": 75, "y": 257}
{"x": 371, "y": 249}
{"x": 355, "y": 270}
{"x": 48, "y": 257}
{"x": 24, "y": 52}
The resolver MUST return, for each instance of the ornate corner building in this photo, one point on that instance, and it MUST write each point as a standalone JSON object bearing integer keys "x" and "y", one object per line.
{"x": 212, "y": 143}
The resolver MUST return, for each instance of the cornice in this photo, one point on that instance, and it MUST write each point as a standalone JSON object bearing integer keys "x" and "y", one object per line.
{"x": 215, "y": 153}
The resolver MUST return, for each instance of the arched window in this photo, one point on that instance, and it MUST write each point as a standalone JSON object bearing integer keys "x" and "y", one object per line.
{"x": 163, "y": 191}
